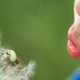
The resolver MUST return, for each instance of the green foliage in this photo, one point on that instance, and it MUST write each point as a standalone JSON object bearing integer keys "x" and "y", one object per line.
{"x": 37, "y": 29}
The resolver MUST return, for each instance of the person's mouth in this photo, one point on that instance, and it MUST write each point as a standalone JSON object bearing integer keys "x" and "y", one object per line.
{"x": 73, "y": 50}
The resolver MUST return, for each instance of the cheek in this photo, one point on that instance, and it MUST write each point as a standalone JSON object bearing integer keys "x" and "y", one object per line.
{"x": 73, "y": 50}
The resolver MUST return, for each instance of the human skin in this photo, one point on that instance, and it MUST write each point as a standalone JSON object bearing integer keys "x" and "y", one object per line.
{"x": 73, "y": 44}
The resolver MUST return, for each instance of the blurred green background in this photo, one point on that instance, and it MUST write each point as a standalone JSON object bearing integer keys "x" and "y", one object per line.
{"x": 37, "y": 30}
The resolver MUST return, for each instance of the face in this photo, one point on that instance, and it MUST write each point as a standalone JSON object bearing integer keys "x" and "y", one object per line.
{"x": 73, "y": 45}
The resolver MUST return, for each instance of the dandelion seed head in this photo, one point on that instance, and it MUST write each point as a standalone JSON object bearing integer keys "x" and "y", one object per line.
{"x": 10, "y": 70}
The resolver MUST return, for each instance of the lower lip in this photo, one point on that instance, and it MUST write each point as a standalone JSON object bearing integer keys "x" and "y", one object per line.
{"x": 73, "y": 50}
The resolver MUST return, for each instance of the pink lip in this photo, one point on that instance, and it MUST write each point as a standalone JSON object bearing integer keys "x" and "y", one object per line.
{"x": 73, "y": 50}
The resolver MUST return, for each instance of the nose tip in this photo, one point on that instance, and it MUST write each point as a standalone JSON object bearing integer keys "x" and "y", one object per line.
{"x": 78, "y": 7}
{"x": 77, "y": 12}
